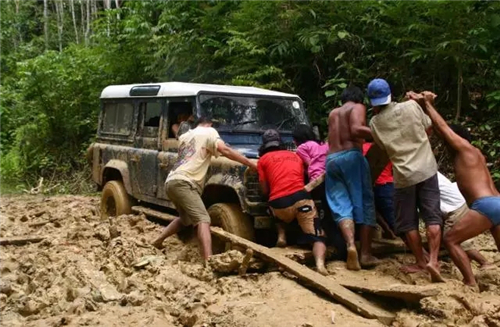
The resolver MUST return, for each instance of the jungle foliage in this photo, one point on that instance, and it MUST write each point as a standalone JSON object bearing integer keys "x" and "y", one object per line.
{"x": 56, "y": 56}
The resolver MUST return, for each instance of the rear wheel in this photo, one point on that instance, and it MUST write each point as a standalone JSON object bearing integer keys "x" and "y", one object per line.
{"x": 114, "y": 200}
{"x": 231, "y": 218}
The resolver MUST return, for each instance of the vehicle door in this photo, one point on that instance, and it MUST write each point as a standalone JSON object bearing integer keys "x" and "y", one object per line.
{"x": 143, "y": 158}
{"x": 176, "y": 107}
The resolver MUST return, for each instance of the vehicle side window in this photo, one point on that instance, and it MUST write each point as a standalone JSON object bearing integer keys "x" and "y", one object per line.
{"x": 150, "y": 113}
{"x": 117, "y": 118}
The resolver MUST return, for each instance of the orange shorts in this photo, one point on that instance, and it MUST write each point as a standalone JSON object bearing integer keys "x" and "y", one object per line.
{"x": 307, "y": 216}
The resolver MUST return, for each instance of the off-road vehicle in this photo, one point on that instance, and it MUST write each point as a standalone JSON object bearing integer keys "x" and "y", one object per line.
{"x": 135, "y": 147}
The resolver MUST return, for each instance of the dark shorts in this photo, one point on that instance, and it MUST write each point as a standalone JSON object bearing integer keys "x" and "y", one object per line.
{"x": 425, "y": 196}
{"x": 384, "y": 202}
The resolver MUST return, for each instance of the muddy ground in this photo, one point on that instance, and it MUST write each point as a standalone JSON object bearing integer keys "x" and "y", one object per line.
{"x": 89, "y": 272}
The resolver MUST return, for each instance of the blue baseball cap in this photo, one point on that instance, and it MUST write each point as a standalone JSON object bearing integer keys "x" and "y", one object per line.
{"x": 379, "y": 92}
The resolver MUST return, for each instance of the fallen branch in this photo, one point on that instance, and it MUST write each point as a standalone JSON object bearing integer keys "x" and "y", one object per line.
{"x": 21, "y": 240}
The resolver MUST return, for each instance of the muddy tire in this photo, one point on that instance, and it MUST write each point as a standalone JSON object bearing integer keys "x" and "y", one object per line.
{"x": 230, "y": 217}
{"x": 114, "y": 200}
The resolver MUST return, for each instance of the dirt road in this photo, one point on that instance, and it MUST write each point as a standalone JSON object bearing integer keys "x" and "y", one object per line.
{"x": 89, "y": 272}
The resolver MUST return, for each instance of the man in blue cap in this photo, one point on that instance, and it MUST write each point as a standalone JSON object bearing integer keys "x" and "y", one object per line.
{"x": 401, "y": 130}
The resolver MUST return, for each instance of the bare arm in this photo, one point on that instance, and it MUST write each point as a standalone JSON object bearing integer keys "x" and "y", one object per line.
{"x": 234, "y": 155}
{"x": 358, "y": 123}
{"x": 442, "y": 128}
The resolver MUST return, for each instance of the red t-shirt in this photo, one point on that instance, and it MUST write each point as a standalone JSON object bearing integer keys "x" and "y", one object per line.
{"x": 283, "y": 171}
{"x": 386, "y": 175}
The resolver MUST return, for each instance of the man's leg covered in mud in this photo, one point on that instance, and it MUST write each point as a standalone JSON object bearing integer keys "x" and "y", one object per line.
{"x": 205, "y": 239}
{"x": 365, "y": 235}
{"x": 319, "y": 251}
{"x": 347, "y": 228}
{"x": 472, "y": 224}
{"x": 168, "y": 231}
{"x": 414, "y": 242}
{"x": 434, "y": 239}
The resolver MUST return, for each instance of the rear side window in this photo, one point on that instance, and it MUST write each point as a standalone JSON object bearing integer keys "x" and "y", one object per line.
{"x": 151, "y": 114}
{"x": 117, "y": 118}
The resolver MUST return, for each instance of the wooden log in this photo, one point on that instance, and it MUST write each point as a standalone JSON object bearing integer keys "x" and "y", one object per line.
{"x": 21, "y": 240}
{"x": 409, "y": 293}
{"x": 315, "y": 280}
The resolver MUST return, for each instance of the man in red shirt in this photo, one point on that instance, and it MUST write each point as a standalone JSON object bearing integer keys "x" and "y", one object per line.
{"x": 281, "y": 177}
{"x": 384, "y": 193}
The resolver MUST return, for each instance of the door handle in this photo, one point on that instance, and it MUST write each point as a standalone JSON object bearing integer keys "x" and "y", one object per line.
{"x": 134, "y": 158}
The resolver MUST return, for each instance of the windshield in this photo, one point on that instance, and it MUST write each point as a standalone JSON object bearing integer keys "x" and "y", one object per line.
{"x": 252, "y": 113}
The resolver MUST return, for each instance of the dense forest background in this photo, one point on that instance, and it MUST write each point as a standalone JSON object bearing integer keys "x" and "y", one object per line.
{"x": 56, "y": 57}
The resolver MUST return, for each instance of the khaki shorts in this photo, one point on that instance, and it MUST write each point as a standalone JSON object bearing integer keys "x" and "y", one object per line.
{"x": 454, "y": 217}
{"x": 187, "y": 201}
{"x": 306, "y": 214}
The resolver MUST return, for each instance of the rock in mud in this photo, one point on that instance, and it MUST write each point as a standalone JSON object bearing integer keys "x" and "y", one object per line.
{"x": 135, "y": 298}
{"x": 102, "y": 233}
{"x": 5, "y": 288}
{"x": 188, "y": 320}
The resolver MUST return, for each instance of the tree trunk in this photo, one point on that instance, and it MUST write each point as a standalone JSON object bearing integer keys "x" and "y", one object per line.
{"x": 87, "y": 29}
{"x": 59, "y": 9}
{"x": 82, "y": 22}
{"x": 72, "y": 7}
{"x": 46, "y": 23}
{"x": 459, "y": 91}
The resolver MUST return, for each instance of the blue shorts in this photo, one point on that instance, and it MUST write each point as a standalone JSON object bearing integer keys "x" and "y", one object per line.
{"x": 348, "y": 187}
{"x": 488, "y": 206}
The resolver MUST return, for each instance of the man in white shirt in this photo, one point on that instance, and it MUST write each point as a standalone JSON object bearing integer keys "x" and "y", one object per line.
{"x": 186, "y": 181}
{"x": 454, "y": 207}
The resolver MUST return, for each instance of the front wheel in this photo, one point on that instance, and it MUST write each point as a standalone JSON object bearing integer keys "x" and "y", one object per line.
{"x": 114, "y": 200}
{"x": 231, "y": 218}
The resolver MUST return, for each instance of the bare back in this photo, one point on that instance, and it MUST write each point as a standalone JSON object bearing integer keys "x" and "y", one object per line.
{"x": 340, "y": 122}
{"x": 472, "y": 174}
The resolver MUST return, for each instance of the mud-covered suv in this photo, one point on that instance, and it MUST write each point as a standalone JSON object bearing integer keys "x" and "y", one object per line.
{"x": 136, "y": 148}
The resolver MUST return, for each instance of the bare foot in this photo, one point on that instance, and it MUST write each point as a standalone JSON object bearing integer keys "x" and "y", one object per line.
{"x": 352, "y": 258}
{"x": 435, "y": 274}
{"x": 322, "y": 270}
{"x": 411, "y": 269}
{"x": 487, "y": 266}
{"x": 368, "y": 261}
{"x": 281, "y": 243}
{"x": 157, "y": 244}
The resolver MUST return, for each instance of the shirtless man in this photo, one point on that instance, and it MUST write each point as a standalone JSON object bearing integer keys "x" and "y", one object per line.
{"x": 400, "y": 130}
{"x": 348, "y": 184}
{"x": 475, "y": 184}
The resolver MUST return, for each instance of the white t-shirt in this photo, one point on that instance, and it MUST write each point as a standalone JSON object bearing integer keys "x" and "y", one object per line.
{"x": 451, "y": 198}
{"x": 196, "y": 148}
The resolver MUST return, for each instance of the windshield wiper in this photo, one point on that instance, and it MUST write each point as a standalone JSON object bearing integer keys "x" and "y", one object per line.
{"x": 278, "y": 126}
{"x": 245, "y": 122}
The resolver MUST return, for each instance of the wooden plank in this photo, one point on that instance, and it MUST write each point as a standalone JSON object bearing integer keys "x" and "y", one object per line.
{"x": 21, "y": 240}
{"x": 315, "y": 280}
{"x": 153, "y": 213}
{"x": 409, "y": 293}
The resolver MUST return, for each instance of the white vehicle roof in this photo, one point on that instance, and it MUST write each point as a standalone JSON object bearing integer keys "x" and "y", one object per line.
{"x": 175, "y": 89}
